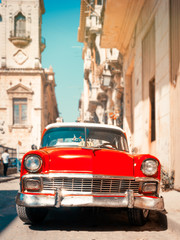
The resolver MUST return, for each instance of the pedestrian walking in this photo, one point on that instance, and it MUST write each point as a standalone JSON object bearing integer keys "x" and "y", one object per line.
{"x": 5, "y": 159}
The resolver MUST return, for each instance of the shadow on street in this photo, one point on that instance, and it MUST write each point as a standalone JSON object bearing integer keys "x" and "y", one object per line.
{"x": 7, "y": 208}
{"x": 75, "y": 219}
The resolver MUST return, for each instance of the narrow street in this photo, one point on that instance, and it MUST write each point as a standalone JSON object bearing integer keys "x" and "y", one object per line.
{"x": 74, "y": 224}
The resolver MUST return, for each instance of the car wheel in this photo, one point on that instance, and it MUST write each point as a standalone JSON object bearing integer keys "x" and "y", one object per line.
{"x": 31, "y": 215}
{"x": 138, "y": 217}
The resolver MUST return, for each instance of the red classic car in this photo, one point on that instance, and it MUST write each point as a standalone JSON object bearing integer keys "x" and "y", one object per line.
{"x": 87, "y": 165}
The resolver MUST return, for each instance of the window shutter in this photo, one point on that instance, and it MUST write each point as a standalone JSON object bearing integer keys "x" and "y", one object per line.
{"x": 20, "y": 25}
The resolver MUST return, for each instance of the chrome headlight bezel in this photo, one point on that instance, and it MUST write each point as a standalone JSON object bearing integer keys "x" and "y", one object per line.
{"x": 33, "y": 163}
{"x": 149, "y": 167}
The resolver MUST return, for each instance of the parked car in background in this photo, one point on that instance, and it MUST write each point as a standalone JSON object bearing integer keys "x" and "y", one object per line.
{"x": 87, "y": 165}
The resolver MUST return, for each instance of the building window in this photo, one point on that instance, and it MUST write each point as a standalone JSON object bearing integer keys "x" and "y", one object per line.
{"x": 19, "y": 110}
{"x": 152, "y": 110}
{"x": 20, "y": 25}
{"x": 148, "y": 73}
{"x": 0, "y": 18}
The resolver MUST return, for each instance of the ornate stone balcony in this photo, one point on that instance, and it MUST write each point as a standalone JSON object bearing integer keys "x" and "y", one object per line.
{"x": 19, "y": 41}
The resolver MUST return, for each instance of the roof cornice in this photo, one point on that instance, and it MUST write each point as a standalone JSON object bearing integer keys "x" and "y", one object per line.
{"x": 120, "y": 19}
{"x": 82, "y": 22}
{"x": 42, "y": 6}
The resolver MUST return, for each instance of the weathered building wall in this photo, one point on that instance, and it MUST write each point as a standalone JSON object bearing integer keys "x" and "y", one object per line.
{"x": 28, "y": 56}
{"x": 26, "y": 134}
{"x": 149, "y": 39}
{"x": 157, "y": 13}
{"x": 28, "y": 101}
{"x": 175, "y": 89}
{"x": 163, "y": 84}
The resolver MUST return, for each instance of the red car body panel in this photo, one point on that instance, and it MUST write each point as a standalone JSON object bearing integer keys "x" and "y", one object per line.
{"x": 107, "y": 162}
{"x": 80, "y": 160}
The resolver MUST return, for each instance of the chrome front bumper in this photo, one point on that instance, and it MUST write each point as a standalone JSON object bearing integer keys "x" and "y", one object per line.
{"x": 127, "y": 200}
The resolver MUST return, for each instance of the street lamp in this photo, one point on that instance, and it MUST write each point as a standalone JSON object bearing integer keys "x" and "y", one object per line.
{"x": 106, "y": 76}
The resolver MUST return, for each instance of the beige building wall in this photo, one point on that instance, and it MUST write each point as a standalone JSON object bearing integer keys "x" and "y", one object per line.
{"x": 146, "y": 33}
{"x": 156, "y": 12}
{"x": 22, "y": 76}
{"x": 175, "y": 131}
{"x": 30, "y": 55}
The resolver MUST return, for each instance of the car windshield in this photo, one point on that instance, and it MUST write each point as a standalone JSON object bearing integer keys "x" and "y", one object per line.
{"x": 85, "y": 137}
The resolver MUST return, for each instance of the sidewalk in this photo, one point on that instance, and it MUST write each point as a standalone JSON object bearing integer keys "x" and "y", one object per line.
{"x": 171, "y": 201}
{"x": 172, "y": 206}
{"x": 9, "y": 177}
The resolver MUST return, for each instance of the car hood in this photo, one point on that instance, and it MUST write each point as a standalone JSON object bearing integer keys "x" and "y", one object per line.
{"x": 92, "y": 161}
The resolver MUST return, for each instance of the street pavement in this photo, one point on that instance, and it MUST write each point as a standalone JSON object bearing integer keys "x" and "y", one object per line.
{"x": 171, "y": 200}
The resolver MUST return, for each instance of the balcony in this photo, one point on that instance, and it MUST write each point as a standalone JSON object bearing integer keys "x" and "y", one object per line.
{"x": 20, "y": 41}
{"x": 93, "y": 24}
{"x": 43, "y": 44}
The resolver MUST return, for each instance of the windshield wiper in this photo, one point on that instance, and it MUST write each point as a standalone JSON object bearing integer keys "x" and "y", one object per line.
{"x": 93, "y": 149}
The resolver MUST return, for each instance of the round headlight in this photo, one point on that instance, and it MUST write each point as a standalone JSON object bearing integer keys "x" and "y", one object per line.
{"x": 149, "y": 167}
{"x": 32, "y": 163}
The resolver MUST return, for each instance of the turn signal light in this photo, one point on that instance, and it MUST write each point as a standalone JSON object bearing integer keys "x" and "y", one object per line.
{"x": 149, "y": 188}
{"x": 33, "y": 185}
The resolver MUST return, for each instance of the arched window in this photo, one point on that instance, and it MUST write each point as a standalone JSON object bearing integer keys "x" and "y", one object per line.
{"x": 0, "y": 18}
{"x": 20, "y": 25}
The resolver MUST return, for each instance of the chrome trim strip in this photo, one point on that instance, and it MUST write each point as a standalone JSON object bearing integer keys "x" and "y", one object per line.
{"x": 87, "y": 175}
{"x": 71, "y": 193}
{"x": 42, "y": 192}
{"x": 145, "y": 179}
{"x": 67, "y": 193}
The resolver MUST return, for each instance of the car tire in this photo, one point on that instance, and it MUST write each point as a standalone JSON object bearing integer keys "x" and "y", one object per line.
{"x": 31, "y": 215}
{"x": 138, "y": 217}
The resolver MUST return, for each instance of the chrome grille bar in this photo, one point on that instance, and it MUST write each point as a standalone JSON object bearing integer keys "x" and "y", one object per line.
{"x": 101, "y": 185}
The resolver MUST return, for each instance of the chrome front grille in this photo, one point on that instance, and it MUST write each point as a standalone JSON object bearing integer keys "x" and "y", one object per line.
{"x": 93, "y": 185}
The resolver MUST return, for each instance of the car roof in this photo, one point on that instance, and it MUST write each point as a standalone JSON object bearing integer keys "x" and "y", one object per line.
{"x": 75, "y": 124}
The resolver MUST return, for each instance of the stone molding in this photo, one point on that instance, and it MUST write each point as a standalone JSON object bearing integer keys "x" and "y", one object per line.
{"x": 28, "y": 127}
{"x": 19, "y": 89}
{"x": 20, "y": 57}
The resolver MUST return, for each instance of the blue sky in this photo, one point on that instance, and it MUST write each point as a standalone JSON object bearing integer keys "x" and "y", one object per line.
{"x": 64, "y": 53}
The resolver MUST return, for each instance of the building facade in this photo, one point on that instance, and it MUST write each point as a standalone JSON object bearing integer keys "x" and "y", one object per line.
{"x": 28, "y": 101}
{"x": 147, "y": 35}
{"x": 101, "y": 100}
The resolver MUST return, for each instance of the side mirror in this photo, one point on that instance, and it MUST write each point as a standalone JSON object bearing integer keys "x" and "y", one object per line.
{"x": 33, "y": 147}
